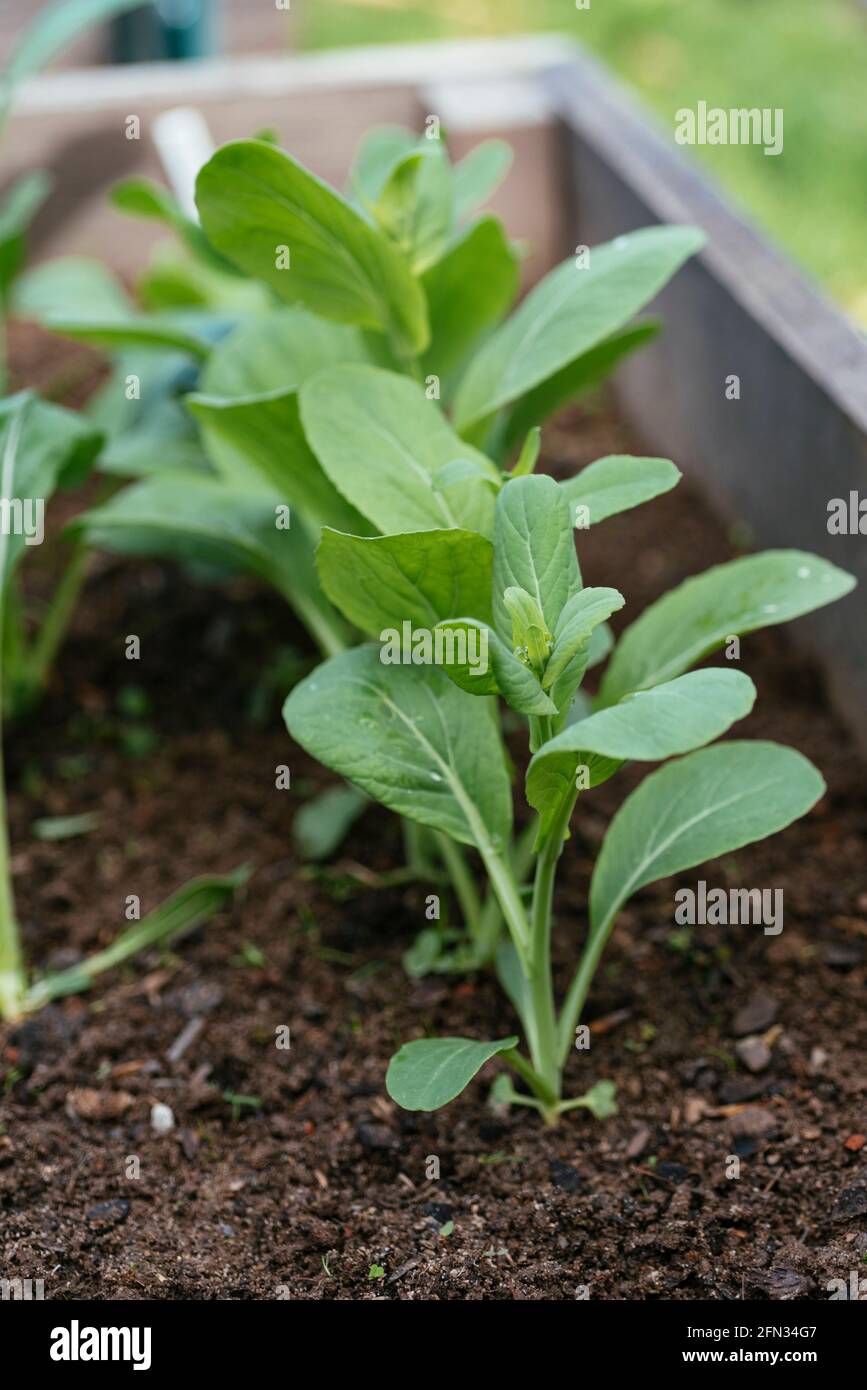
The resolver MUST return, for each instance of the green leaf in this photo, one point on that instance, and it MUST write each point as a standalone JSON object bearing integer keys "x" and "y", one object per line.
{"x": 17, "y": 210}
{"x": 189, "y": 906}
{"x": 479, "y": 174}
{"x": 382, "y": 443}
{"x": 194, "y": 518}
{"x": 279, "y": 351}
{"x": 410, "y": 739}
{"x": 468, "y": 291}
{"x": 534, "y": 549}
{"x": 583, "y": 373}
{"x": 568, "y": 314}
{"x": 78, "y": 285}
{"x": 321, "y": 826}
{"x": 42, "y": 447}
{"x": 144, "y": 330}
{"x": 427, "y": 1074}
{"x": 144, "y": 198}
{"x": 254, "y": 199}
{"x": 673, "y": 718}
{"x": 257, "y": 443}
{"x": 529, "y": 455}
{"x": 579, "y": 619}
{"x": 418, "y": 577}
{"x": 697, "y": 617}
{"x": 497, "y": 671}
{"x": 599, "y": 1100}
{"x": 415, "y": 206}
{"x": 380, "y": 149}
{"x": 619, "y": 482}
{"x": 698, "y": 808}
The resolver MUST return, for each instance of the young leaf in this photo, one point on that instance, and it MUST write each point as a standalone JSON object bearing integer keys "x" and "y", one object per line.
{"x": 410, "y": 739}
{"x": 502, "y": 672}
{"x": 380, "y": 149}
{"x": 619, "y": 482}
{"x": 529, "y": 455}
{"x": 468, "y": 291}
{"x": 534, "y": 549}
{"x": 673, "y": 718}
{"x": 427, "y": 1074}
{"x": 707, "y": 804}
{"x": 415, "y": 206}
{"x": 257, "y": 442}
{"x": 420, "y": 577}
{"x": 697, "y": 617}
{"x": 281, "y": 224}
{"x": 580, "y": 617}
{"x": 479, "y": 174}
{"x": 383, "y": 443}
{"x": 571, "y": 312}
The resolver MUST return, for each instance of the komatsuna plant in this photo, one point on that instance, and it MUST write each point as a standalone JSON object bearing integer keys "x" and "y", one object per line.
{"x": 402, "y": 289}
{"x": 43, "y": 446}
{"x": 423, "y": 739}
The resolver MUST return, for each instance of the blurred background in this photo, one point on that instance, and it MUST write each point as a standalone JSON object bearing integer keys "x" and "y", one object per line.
{"x": 808, "y": 57}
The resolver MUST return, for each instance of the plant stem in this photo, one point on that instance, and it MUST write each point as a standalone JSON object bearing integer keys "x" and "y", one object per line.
{"x": 463, "y": 883}
{"x": 545, "y": 1048}
{"x": 537, "y": 1084}
{"x": 12, "y": 982}
{"x": 53, "y": 628}
{"x": 509, "y": 898}
{"x": 580, "y": 986}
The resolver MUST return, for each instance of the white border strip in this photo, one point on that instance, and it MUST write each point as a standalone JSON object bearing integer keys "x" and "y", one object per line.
{"x": 231, "y": 79}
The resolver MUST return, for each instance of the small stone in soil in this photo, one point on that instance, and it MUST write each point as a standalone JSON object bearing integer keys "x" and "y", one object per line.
{"x": 639, "y": 1142}
{"x": 753, "y": 1053}
{"x": 842, "y": 955}
{"x": 741, "y": 1088}
{"x": 855, "y": 1143}
{"x": 377, "y": 1137}
{"x": 162, "y": 1118}
{"x": 673, "y": 1172}
{"x": 440, "y": 1212}
{"x": 852, "y": 1202}
{"x": 565, "y": 1176}
{"x": 110, "y": 1213}
{"x": 784, "y": 1284}
{"x": 754, "y": 1123}
{"x": 756, "y": 1015}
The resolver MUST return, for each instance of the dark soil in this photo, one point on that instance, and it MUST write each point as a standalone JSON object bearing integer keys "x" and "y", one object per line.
{"x": 310, "y": 1176}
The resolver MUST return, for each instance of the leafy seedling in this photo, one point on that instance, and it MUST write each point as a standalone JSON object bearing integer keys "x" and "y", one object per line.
{"x": 421, "y": 739}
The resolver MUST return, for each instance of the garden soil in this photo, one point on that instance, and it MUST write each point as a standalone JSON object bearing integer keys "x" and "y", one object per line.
{"x": 737, "y": 1165}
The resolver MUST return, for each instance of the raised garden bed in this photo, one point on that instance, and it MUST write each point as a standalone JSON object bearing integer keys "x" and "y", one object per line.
{"x": 291, "y": 1173}
{"x": 324, "y": 1177}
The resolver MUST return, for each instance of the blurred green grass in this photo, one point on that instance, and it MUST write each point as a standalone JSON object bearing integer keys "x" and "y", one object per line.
{"x": 807, "y": 56}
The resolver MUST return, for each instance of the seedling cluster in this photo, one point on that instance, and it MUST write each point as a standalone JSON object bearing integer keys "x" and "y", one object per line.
{"x": 337, "y": 394}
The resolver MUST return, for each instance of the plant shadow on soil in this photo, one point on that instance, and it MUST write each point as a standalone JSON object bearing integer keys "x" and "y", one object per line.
{"x": 312, "y": 1177}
